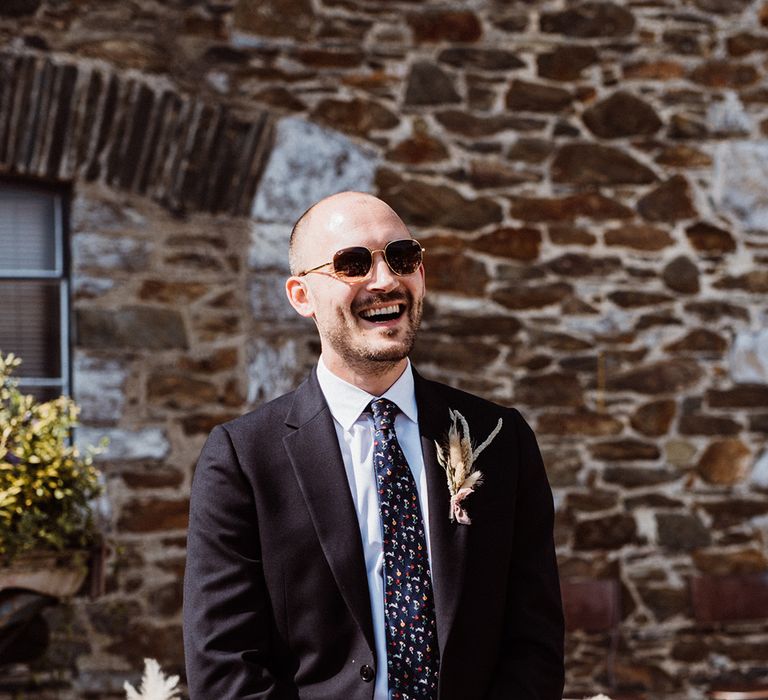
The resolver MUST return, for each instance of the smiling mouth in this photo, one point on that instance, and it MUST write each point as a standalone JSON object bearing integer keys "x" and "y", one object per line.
{"x": 383, "y": 314}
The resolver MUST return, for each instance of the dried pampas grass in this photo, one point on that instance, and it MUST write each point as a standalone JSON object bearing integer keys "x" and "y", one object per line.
{"x": 458, "y": 457}
{"x": 154, "y": 684}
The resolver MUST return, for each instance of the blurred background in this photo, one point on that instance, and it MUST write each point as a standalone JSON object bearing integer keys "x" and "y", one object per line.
{"x": 590, "y": 182}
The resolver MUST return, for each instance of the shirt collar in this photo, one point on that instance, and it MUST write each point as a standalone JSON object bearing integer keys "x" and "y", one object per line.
{"x": 347, "y": 402}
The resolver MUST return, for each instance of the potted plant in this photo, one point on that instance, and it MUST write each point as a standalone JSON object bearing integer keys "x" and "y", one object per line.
{"x": 47, "y": 491}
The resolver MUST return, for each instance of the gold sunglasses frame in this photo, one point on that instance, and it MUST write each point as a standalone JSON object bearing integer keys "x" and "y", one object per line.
{"x": 383, "y": 251}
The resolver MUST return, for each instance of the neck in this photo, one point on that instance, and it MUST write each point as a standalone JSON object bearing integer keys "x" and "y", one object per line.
{"x": 374, "y": 377}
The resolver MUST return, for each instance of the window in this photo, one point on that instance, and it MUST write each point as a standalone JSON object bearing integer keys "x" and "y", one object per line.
{"x": 34, "y": 287}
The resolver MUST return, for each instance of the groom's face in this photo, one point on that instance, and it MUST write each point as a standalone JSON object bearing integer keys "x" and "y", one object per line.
{"x": 353, "y": 329}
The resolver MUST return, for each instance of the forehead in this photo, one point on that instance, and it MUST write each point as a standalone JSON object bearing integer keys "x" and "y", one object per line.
{"x": 352, "y": 221}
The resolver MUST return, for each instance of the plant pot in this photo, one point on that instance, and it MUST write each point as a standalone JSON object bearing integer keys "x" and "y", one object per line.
{"x": 55, "y": 574}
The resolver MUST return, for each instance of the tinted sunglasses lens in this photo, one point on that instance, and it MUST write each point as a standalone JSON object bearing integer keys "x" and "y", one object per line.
{"x": 352, "y": 262}
{"x": 403, "y": 257}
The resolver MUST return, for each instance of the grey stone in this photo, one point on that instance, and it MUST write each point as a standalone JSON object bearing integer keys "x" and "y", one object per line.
{"x": 728, "y": 116}
{"x": 608, "y": 532}
{"x": 308, "y": 163}
{"x": 589, "y": 19}
{"x": 94, "y": 250}
{"x": 741, "y": 173}
{"x": 357, "y": 117}
{"x": 146, "y": 443}
{"x": 429, "y": 85}
{"x": 621, "y": 114}
{"x": 748, "y": 360}
{"x": 276, "y": 365}
{"x": 87, "y": 287}
{"x": 759, "y": 475}
{"x": 18, "y": 8}
{"x": 595, "y": 164}
{"x": 90, "y": 214}
{"x": 99, "y": 388}
{"x": 274, "y": 18}
{"x": 536, "y": 97}
{"x": 135, "y": 327}
{"x": 681, "y": 532}
{"x": 421, "y": 203}
{"x": 680, "y": 453}
{"x": 681, "y": 275}
{"x": 269, "y": 246}
{"x": 481, "y": 59}
{"x": 722, "y": 6}
{"x": 268, "y": 299}
{"x": 671, "y": 201}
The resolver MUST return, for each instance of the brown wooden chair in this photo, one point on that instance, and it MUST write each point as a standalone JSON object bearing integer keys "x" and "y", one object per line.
{"x": 591, "y": 605}
{"x": 594, "y": 606}
{"x": 730, "y": 598}
{"x": 724, "y": 599}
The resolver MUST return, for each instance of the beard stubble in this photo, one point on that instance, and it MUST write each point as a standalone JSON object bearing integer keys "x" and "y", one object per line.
{"x": 362, "y": 355}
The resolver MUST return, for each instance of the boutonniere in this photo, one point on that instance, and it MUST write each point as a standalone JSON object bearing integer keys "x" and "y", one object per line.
{"x": 458, "y": 457}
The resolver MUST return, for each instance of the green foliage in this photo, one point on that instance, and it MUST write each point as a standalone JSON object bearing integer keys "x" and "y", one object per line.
{"x": 46, "y": 485}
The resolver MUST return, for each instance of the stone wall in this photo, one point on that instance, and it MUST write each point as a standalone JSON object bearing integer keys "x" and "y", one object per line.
{"x": 589, "y": 182}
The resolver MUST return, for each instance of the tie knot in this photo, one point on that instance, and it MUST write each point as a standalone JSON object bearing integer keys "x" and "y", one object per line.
{"x": 384, "y": 412}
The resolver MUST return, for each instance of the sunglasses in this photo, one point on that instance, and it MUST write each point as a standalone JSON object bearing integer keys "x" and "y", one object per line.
{"x": 403, "y": 257}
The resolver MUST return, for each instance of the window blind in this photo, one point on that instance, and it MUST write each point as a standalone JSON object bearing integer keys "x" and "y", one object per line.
{"x": 29, "y": 325}
{"x": 33, "y": 287}
{"x": 27, "y": 224}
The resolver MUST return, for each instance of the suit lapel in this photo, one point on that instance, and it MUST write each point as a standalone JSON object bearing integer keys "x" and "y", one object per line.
{"x": 448, "y": 540}
{"x": 313, "y": 449}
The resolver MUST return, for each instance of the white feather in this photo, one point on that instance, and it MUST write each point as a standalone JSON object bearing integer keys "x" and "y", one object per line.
{"x": 154, "y": 685}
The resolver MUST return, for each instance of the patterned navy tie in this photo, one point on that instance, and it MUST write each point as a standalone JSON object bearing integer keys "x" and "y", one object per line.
{"x": 412, "y": 654}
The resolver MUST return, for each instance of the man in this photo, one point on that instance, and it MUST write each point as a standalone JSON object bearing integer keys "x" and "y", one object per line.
{"x": 326, "y": 557}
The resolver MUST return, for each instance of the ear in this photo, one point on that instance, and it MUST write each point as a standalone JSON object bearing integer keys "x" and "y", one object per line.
{"x": 298, "y": 296}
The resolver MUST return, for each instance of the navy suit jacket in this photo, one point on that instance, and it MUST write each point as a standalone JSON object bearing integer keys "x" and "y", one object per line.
{"x": 276, "y": 601}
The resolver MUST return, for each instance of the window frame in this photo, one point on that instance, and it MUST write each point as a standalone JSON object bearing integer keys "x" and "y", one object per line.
{"x": 60, "y": 272}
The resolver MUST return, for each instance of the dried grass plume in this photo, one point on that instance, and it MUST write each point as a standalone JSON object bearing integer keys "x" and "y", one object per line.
{"x": 457, "y": 457}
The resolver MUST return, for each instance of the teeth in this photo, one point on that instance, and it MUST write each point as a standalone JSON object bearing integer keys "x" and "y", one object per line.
{"x": 369, "y": 313}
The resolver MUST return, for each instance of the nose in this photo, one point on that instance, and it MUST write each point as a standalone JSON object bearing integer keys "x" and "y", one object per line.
{"x": 381, "y": 277}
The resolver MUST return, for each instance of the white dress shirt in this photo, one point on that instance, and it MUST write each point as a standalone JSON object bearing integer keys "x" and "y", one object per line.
{"x": 354, "y": 430}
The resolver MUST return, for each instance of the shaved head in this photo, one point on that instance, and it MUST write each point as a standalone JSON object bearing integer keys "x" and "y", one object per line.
{"x": 322, "y": 213}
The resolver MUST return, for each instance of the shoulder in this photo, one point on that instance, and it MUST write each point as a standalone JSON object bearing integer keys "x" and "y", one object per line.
{"x": 269, "y": 415}
{"x": 473, "y": 407}
{"x": 458, "y": 398}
